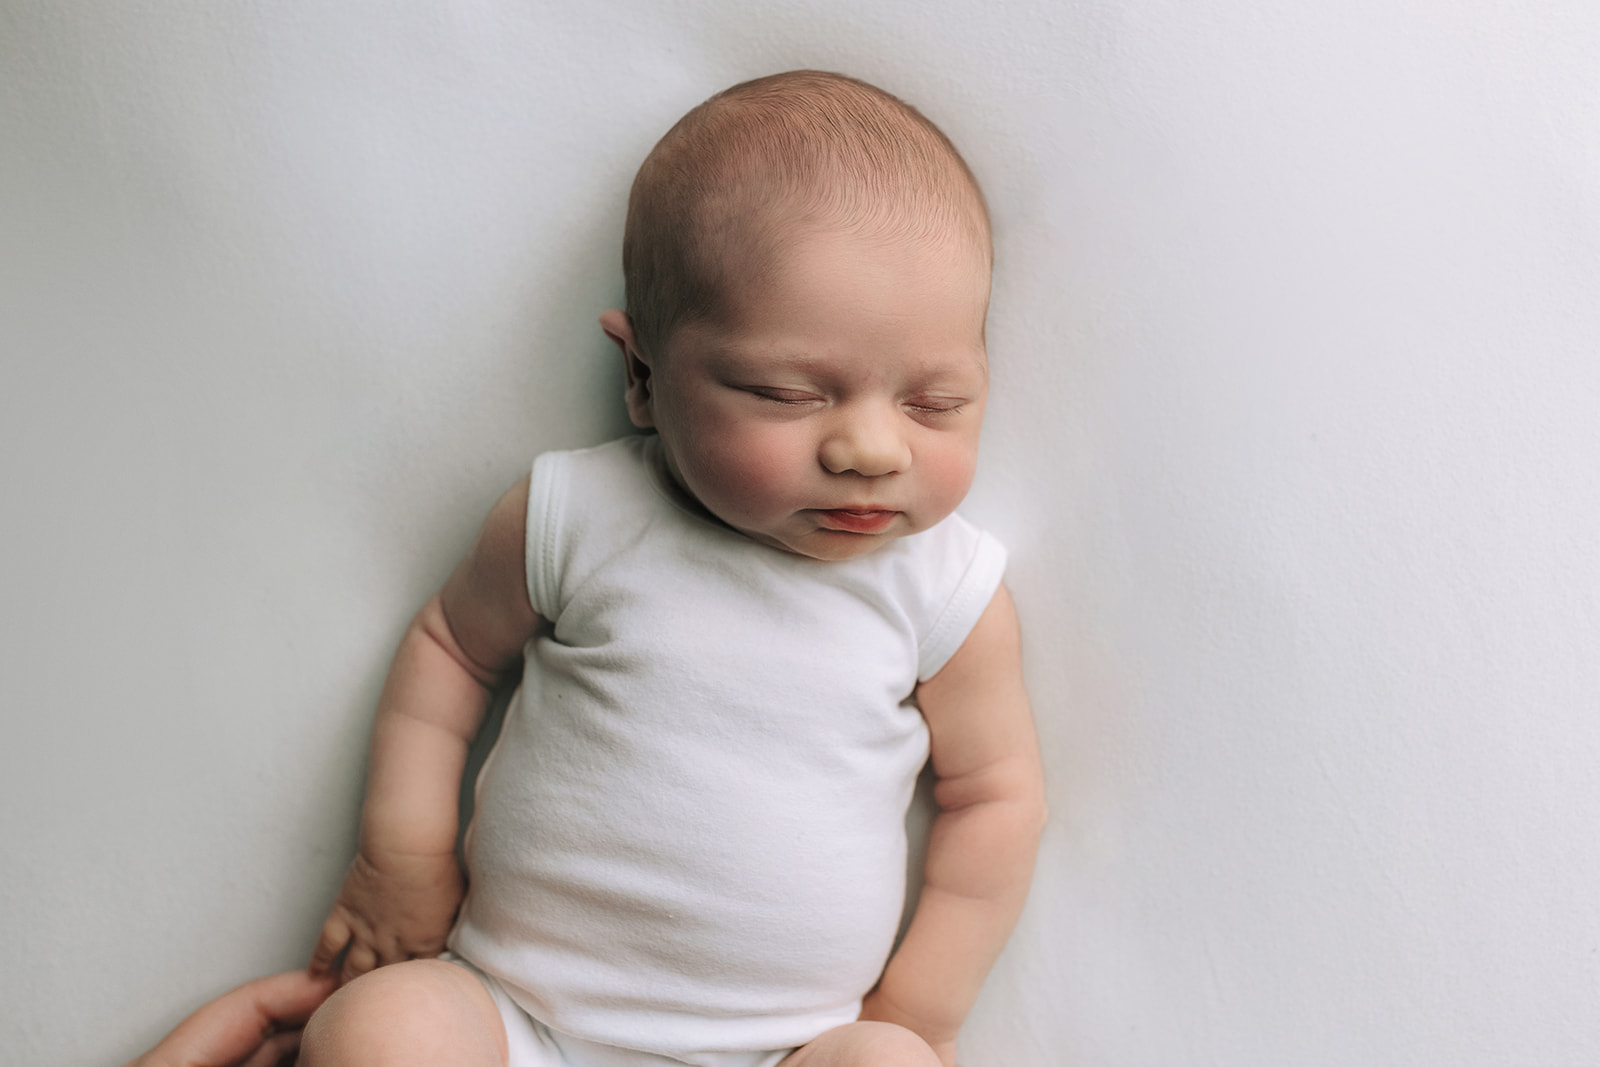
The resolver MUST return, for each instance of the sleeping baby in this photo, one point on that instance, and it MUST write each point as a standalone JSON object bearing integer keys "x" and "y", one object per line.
{"x": 741, "y": 635}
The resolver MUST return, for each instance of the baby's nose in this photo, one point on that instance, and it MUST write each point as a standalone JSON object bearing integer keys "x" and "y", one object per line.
{"x": 869, "y": 447}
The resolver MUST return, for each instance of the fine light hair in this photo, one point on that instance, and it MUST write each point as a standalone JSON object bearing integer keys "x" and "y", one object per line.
{"x": 716, "y": 197}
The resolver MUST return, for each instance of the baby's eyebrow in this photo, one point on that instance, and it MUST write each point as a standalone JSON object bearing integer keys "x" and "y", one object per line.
{"x": 940, "y": 370}
{"x": 741, "y": 358}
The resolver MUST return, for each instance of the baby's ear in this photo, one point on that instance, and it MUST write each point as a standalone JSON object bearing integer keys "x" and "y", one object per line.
{"x": 635, "y": 367}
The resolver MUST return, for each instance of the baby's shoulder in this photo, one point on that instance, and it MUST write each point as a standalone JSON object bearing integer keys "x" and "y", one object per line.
{"x": 585, "y": 504}
{"x": 624, "y": 457}
{"x": 942, "y": 579}
{"x": 605, "y": 476}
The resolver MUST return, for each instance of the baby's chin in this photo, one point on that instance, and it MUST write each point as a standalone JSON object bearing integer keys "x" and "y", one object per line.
{"x": 829, "y": 546}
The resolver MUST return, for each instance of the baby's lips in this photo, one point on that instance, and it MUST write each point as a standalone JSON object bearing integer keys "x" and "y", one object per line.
{"x": 854, "y": 520}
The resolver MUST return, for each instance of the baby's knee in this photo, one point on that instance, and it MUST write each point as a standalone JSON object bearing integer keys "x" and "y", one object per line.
{"x": 866, "y": 1044}
{"x": 422, "y": 1012}
{"x": 888, "y": 1045}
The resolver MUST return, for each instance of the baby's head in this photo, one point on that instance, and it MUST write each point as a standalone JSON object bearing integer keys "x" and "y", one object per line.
{"x": 807, "y": 263}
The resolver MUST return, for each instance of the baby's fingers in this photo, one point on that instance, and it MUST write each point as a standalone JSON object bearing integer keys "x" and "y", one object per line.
{"x": 358, "y": 961}
{"x": 336, "y": 935}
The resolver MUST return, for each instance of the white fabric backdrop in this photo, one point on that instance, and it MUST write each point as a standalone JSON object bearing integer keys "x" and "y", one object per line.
{"x": 1296, "y": 345}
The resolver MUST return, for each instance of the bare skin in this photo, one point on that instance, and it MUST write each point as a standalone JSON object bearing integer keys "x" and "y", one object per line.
{"x": 421, "y": 1012}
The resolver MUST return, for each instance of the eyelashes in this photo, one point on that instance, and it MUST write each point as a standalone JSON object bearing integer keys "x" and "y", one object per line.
{"x": 938, "y": 407}
{"x": 928, "y": 407}
{"x": 789, "y": 397}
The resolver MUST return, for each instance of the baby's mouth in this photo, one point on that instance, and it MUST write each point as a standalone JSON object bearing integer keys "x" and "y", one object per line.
{"x": 857, "y": 520}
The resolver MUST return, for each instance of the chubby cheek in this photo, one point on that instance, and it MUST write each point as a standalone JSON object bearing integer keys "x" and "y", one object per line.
{"x": 743, "y": 470}
{"x": 946, "y": 474}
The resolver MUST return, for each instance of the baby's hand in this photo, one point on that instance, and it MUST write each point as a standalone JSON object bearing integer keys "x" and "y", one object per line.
{"x": 391, "y": 908}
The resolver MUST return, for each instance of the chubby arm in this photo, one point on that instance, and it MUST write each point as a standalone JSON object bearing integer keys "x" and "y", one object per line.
{"x": 990, "y": 794}
{"x": 404, "y": 886}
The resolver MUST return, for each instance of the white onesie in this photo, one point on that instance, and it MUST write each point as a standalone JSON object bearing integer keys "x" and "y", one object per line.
{"x": 690, "y": 837}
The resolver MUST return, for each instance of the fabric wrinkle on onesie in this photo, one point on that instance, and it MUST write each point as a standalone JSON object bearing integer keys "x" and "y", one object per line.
{"x": 689, "y": 838}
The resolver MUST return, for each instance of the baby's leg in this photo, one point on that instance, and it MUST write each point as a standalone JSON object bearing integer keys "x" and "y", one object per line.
{"x": 422, "y": 1012}
{"x": 864, "y": 1045}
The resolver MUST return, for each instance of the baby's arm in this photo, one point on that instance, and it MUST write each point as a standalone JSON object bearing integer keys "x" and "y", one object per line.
{"x": 404, "y": 886}
{"x": 981, "y": 847}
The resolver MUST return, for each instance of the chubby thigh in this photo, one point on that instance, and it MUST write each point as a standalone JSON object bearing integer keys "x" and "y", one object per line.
{"x": 420, "y": 1012}
{"x": 428, "y": 1012}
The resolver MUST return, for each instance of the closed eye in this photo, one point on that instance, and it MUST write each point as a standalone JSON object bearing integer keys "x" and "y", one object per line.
{"x": 936, "y": 405}
{"x": 783, "y": 396}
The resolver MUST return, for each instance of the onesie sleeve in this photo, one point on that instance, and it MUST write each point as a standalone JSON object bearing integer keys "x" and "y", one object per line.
{"x": 977, "y": 561}
{"x": 542, "y": 551}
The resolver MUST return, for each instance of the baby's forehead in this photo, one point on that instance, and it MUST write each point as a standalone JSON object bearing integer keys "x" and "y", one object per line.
{"x": 717, "y": 200}
{"x": 751, "y": 228}
{"x": 764, "y": 239}
{"x": 816, "y": 277}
